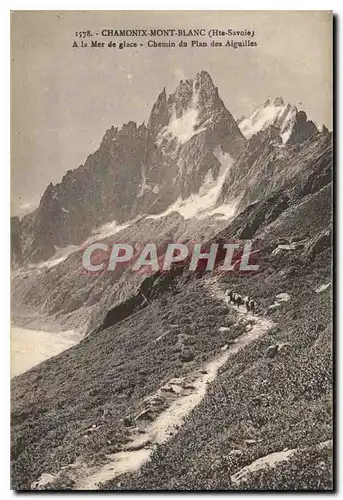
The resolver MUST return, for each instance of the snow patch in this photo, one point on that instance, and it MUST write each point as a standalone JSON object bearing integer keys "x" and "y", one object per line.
{"x": 203, "y": 203}
{"x": 281, "y": 297}
{"x": 272, "y": 113}
{"x": 105, "y": 231}
{"x": 322, "y": 288}
{"x": 65, "y": 210}
{"x": 278, "y": 249}
{"x": 98, "y": 234}
{"x": 288, "y": 124}
{"x": 184, "y": 127}
{"x": 144, "y": 186}
{"x": 59, "y": 256}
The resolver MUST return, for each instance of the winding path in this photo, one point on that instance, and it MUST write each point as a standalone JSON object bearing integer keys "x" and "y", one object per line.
{"x": 168, "y": 422}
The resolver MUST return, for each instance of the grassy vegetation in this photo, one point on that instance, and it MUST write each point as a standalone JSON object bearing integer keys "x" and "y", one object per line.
{"x": 80, "y": 404}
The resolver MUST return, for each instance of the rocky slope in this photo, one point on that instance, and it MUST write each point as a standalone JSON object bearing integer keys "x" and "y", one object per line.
{"x": 274, "y": 395}
{"x": 265, "y": 421}
{"x": 190, "y": 164}
{"x": 265, "y": 166}
{"x": 81, "y": 300}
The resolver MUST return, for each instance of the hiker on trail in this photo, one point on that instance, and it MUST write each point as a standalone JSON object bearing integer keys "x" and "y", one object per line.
{"x": 239, "y": 300}
{"x": 228, "y": 297}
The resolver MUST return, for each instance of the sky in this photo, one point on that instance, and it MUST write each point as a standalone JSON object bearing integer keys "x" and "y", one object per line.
{"x": 63, "y": 99}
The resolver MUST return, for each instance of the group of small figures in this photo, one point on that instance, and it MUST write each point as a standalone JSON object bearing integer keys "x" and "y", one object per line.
{"x": 238, "y": 300}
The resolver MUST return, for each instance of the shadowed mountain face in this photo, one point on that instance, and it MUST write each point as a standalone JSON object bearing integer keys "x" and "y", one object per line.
{"x": 189, "y": 142}
{"x": 261, "y": 177}
{"x": 265, "y": 165}
{"x": 137, "y": 169}
{"x": 192, "y": 155}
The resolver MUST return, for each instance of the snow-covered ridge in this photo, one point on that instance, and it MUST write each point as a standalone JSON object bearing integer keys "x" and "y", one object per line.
{"x": 100, "y": 233}
{"x": 273, "y": 112}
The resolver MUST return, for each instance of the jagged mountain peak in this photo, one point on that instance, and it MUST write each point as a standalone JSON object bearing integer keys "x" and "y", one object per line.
{"x": 193, "y": 91}
{"x": 139, "y": 168}
{"x": 201, "y": 79}
{"x": 272, "y": 112}
{"x": 192, "y": 108}
{"x": 291, "y": 123}
{"x": 159, "y": 113}
{"x": 275, "y": 101}
{"x": 204, "y": 79}
{"x": 201, "y": 87}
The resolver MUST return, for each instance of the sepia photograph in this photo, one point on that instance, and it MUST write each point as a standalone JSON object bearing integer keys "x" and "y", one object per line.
{"x": 171, "y": 250}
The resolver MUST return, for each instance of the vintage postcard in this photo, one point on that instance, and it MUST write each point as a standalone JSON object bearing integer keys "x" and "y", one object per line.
{"x": 171, "y": 250}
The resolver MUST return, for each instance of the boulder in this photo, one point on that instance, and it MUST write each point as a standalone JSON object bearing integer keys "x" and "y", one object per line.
{"x": 272, "y": 307}
{"x": 283, "y": 297}
{"x": 272, "y": 351}
{"x": 262, "y": 463}
{"x": 319, "y": 243}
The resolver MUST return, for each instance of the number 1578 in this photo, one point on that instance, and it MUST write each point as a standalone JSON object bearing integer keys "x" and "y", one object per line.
{"x": 83, "y": 34}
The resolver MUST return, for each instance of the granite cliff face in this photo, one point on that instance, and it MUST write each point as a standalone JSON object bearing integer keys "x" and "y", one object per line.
{"x": 137, "y": 169}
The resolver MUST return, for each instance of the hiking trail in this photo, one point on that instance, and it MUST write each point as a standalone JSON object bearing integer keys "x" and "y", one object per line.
{"x": 166, "y": 424}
